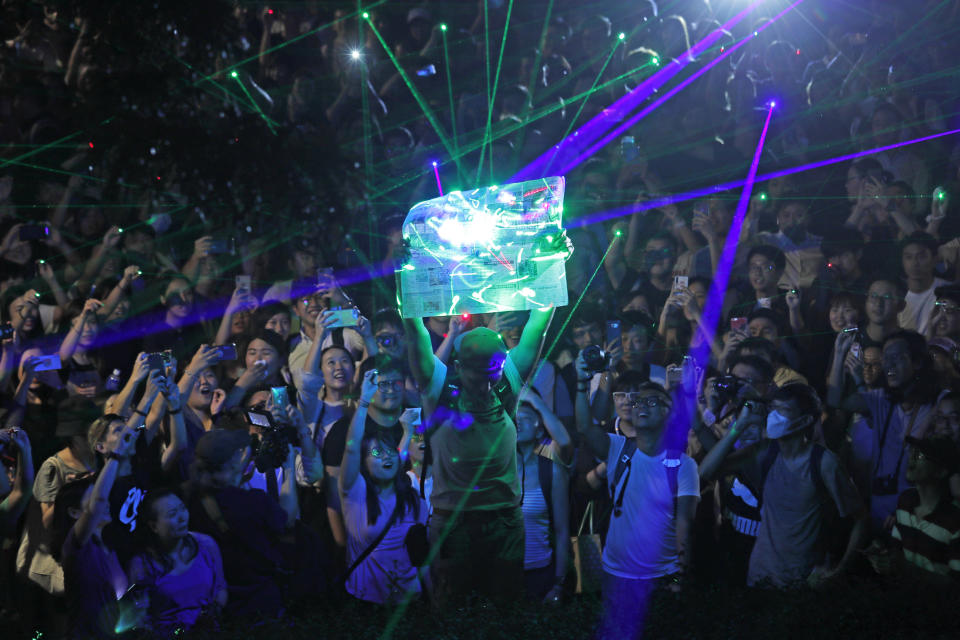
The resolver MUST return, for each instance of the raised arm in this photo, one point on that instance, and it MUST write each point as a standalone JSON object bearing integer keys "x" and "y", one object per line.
{"x": 70, "y": 341}
{"x": 558, "y": 433}
{"x": 352, "y": 453}
{"x": 843, "y": 359}
{"x": 178, "y": 428}
{"x": 718, "y": 458}
{"x": 595, "y": 438}
{"x": 525, "y": 354}
{"x": 419, "y": 350}
{"x": 14, "y": 504}
{"x": 98, "y": 504}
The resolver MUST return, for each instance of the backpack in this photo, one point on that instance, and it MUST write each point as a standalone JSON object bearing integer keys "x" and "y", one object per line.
{"x": 835, "y": 530}
{"x": 448, "y": 403}
{"x": 671, "y": 464}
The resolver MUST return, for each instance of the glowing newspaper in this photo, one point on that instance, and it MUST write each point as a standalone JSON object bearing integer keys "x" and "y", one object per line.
{"x": 486, "y": 250}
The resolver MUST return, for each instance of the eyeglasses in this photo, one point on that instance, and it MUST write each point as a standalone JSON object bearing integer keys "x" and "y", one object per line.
{"x": 651, "y": 401}
{"x": 877, "y": 297}
{"x": 756, "y": 268}
{"x": 383, "y": 452}
{"x": 390, "y": 385}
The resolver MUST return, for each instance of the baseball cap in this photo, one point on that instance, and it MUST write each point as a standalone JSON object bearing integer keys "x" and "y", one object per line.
{"x": 940, "y": 449}
{"x": 216, "y": 447}
{"x": 481, "y": 348}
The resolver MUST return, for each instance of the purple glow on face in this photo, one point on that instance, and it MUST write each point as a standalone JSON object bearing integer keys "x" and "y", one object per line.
{"x": 610, "y": 137}
{"x": 726, "y": 186}
{"x": 571, "y": 146}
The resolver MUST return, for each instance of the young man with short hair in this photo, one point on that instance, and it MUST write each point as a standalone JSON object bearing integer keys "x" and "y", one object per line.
{"x": 801, "y": 248}
{"x": 796, "y": 477}
{"x": 655, "y": 492}
{"x": 883, "y": 306}
{"x": 918, "y": 255}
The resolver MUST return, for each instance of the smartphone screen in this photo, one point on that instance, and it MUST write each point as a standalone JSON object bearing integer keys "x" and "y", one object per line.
{"x": 228, "y": 352}
{"x": 680, "y": 282}
{"x": 243, "y": 284}
{"x": 613, "y": 332}
{"x": 259, "y": 418}
{"x": 48, "y": 363}
{"x": 155, "y": 362}
{"x": 738, "y": 324}
{"x": 280, "y": 398}
{"x": 345, "y": 318}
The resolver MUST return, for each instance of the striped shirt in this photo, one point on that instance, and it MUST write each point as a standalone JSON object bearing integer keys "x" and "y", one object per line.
{"x": 932, "y": 542}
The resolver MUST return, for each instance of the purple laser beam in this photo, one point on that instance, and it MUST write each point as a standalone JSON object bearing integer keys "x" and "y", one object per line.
{"x": 657, "y": 103}
{"x": 595, "y": 127}
{"x": 726, "y": 186}
{"x": 436, "y": 172}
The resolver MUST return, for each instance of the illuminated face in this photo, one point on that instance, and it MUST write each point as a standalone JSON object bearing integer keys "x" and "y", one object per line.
{"x": 417, "y": 448}
{"x": 279, "y": 323}
{"x": 90, "y": 329}
{"x": 635, "y": 345}
{"x": 872, "y": 366}
{"x": 25, "y": 313}
{"x": 752, "y": 377}
{"x": 203, "y": 387}
{"x": 897, "y": 364}
{"x": 338, "y": 369}
{"x": 763, "y": 273}
{"x": 382, "y": 462}
{"x": 883, "y": 302}
{"x": 845, "y": 263}
{"x": 389, "y": 395}
{"x": 764, "y": 328}
{"x": 169, "y": 519}
{"x": 120, "y": 311}
{"x": 649, "y": 409}
{"x": 947, "y": 313}
{"x": 240, "y": 323}
{"x": 587, "y": 335}
{"x": 946, "y": 419}
{"x": 622, "y": 404}
{"x": 917, "y": 261}
{"x": 528, "y": 421}
{"x": 477, "y": 381}
{"x": 699, "y": 291}
{"x": 111, "y": 436}
{"x": 262, "y": 350}
{"x": 843, "y": 315}
{"x": 637, "y": 303}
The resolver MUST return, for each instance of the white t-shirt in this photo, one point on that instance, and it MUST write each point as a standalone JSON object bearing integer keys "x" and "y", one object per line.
{"x": 642, "y": 540}
{"x": 386, "y": 574}
{"x": 919, "y": 307}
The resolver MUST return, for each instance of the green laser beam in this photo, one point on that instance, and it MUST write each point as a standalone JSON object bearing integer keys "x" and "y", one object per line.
{"x": 453, "y": 110}
{"x": 493, "y": 96}
{"x": 270, "y": 124}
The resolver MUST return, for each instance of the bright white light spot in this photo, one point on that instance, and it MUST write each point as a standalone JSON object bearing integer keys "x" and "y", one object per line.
{"x": 355, "y": 55}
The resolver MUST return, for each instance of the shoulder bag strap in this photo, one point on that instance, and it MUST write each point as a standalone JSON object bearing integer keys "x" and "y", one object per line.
{"x": 375, "y": 543}
{"x": 624, "y": 464}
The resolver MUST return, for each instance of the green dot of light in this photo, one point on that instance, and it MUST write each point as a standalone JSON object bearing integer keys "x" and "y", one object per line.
{"x": 443, "y": 27}
{"x": 366, "y": 16}
{"x": 233, "y": 74}
{"x": 763, "y": 196}
{"x": 622, "y": 35}
{"x": 941, "y": 195}
{"x": 618, "y": 232}
{"x": 656, "y": 61}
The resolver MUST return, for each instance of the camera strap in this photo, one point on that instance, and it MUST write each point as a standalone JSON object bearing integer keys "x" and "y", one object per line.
{"x": 883, "y": 439}
{"x": 373, "y": 545}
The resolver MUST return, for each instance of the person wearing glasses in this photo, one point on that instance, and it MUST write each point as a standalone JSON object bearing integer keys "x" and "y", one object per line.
{"x": 945, "y": 315}
{"x": 379, "y": 502}
{"x": 655, "y": 499}
{"x": 918, "y": 255}
{"x": 882, "y": 307}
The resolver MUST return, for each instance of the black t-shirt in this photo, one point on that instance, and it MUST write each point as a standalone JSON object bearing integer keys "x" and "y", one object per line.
{"x": 123, "y": 534}
{"x": 335, "y": 442}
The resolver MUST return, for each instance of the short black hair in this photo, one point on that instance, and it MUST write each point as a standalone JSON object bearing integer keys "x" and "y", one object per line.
{"x": 803, "y": 396}
{"x": 921, "y": 238}
{"x": 588, "y": 313}
{"x": 771, "y": 253}
{"x": 897, "y": 284}
{"x": 772, "y": 316}
{"x": 758, "y": 345}
{"x": 628, "y": 380}
{"x": 631, "y": 319}
{"x": 386, "y": 316}
{"x": 757, "y": 363}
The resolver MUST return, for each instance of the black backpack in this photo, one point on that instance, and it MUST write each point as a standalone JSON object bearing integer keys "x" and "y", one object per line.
{"x": 671, "y": 464}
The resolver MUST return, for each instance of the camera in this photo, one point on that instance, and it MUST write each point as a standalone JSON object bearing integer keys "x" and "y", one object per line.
{"x": 727, "y": 387}
{"x": 885, "y": 486}
{"x": 270, "y": 450}
{"x": 595, "y": 359}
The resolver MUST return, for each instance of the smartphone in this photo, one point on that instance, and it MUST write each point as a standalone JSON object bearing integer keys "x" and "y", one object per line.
{"x": 628, "y": 148}
{"x": 227, "y": 352}
{"x": 34, "y": 231}
{"x": 259, "y": 418}
{"x": 764, "y": 303}
{"x": 674, "y": 375}
{"x": 345, "y": 318}
{"x": 6, "y": 331}
{"x": 243, "y": 284}
{"x": 47, "y": 363}
{"x": 280, "y": 398}
{"x": 155, "y": 362}
{"x": 325, "y": 277}
{"x": 429, "y": 70}
{"x": 167, "y": 356}
{"x": 855, "y": 350}
{"x": 680, "y": 282}
{"x": 738, "y": 324}
{"x": 613, "y": 332}
{"x": 221, "y": 245}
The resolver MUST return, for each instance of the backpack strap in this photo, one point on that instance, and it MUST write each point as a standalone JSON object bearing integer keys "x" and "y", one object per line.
{"x": 672, "y": 465}
{"x": 816, "y": 459}
{"x": 622, "y": 470}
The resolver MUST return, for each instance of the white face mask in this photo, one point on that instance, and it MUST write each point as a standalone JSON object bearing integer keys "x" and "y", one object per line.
{"x": 777, "y": 425}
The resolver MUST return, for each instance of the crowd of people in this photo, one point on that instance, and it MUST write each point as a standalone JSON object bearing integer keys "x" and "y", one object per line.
{"x": 212, "y": 405}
